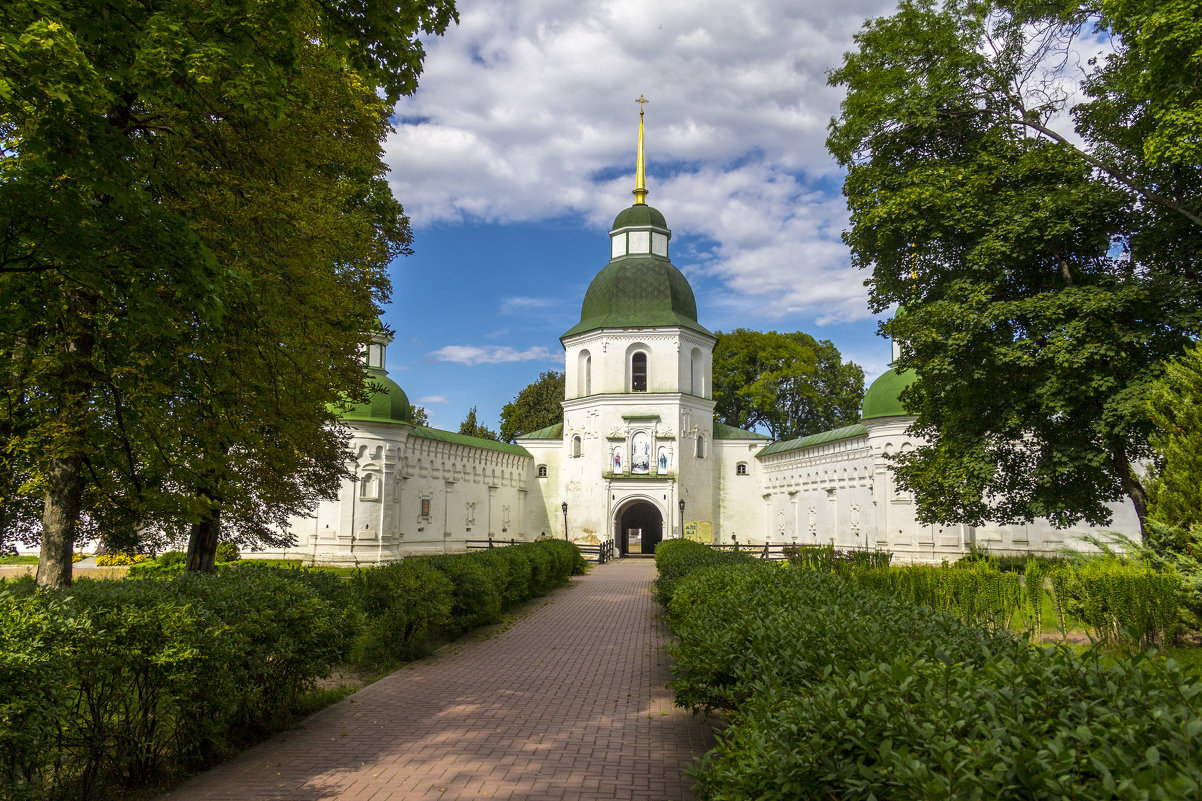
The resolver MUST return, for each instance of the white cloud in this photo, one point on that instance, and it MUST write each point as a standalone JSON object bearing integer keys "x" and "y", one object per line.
{"x": 525, "y": 112}
{"x": 434, "y": 399}
{"x": 470, "y": 354}
{"x": 522, "y": 305}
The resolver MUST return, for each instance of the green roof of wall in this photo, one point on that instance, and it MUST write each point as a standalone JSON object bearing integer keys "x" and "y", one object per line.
{"x": 639, "y": 215}
{"x": 550, "y": 432}
{"x": 723, "y": 431}
{"x": 463, "y": 439}
{"x": 638, "y": 292}
{"x": 881, "y": 399}
{"x": 834, "y": 435}
{"x": 387, "y": 405}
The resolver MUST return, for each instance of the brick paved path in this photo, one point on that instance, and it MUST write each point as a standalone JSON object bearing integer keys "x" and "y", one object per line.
{"x": 567, "y": 703}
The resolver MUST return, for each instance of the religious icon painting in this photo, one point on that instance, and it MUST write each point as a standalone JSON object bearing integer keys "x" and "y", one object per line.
{"x": 662, "y": 459}
{"x": 617, "y": 460}
{"x": 640, "y": 453}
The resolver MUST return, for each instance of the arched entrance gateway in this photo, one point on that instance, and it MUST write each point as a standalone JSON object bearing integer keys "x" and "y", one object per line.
{"x": 640, "y": 529}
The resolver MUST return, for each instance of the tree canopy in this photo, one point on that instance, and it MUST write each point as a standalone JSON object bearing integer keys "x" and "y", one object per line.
{"x": 537, "y": 406}
{"x": 474, "y": 428}
{"x": 1038, "y": 219}
{"x": 194, "y": 230}
{"x": 1174, "y": 497}
{"x": 790, "y": 383}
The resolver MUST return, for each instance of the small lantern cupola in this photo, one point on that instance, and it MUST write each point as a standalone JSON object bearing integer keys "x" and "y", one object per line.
{"x": 376, "y": 349}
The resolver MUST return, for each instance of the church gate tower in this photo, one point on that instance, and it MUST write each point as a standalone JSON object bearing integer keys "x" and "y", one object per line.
{"x": 638, "y": 407}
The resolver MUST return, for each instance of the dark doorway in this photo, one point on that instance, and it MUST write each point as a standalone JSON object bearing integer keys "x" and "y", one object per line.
{"x": 640, "y": 529}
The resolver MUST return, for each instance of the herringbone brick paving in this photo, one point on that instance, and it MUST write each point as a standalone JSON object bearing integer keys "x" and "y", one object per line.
{"x": 568, "y": 702}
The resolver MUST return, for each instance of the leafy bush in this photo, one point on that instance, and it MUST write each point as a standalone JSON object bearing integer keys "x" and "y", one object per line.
{"x": 976, "y": 593}
{"x": 837, "y": 690}
{"x": 476, "y": 586}
{"x": 676, "y": 559}
{"x": 227, "y": 552}
{"x": 743, "y": 628}
{"x": 120, "y": 559}
{"x": 1028, "y": 723}
{"x": 121, "y": 678}
{"x": 405, "y": 604}
{"x": 167, "y": 564}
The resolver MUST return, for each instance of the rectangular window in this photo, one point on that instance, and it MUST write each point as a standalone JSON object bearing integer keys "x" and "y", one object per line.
{"x": 425, "y": 507}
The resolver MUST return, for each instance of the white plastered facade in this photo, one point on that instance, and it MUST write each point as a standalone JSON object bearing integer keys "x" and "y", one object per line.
{"x": 639, "y": 434}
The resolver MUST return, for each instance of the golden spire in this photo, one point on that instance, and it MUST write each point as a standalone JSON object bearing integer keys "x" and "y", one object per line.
{"x": 640, "y": 170}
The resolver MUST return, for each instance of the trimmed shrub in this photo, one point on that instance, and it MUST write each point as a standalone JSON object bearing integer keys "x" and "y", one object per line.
{"x": 121, "y": 678}
{"x": 1028, "y": 723}
{"x": 405, "y": 604}
{"x": 676, "y": 559}
{"x": 121, "y": 559}
{"x": 476, "y": 586}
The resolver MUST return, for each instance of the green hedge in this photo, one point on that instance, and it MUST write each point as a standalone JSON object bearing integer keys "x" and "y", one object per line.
{"x": 676, "y": 559}
{"x": 105, "y": 685}
{"x": 837, "y": 690}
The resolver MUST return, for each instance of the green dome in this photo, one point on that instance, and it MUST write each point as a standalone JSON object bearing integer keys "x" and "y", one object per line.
{"x": 881, "y": 399}
{"x": 639, "y": 215}
{"x": 388, "y": 405}
{"x": 638, "y": 292}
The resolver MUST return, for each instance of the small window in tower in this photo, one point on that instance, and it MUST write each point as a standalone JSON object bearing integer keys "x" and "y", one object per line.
{"x": 741, "y": 469}
{"x": 542, "y": 471}
{"x": 638, "y": 372}
{"x": 700, "y": 447}
{"x": 575, "y": 446}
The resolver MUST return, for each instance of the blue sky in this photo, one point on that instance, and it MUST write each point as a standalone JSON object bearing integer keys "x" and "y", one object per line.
{"x": 518, "y": 150}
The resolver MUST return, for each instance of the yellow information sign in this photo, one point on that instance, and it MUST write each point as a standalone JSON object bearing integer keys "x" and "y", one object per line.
{"x": 699, "y": 531}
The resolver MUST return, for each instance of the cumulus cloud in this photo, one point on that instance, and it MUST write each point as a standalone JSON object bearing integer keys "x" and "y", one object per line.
{"x": 525, "y": 112}
{"x": 428, "y": 399}
{"x": 470, "y": 354}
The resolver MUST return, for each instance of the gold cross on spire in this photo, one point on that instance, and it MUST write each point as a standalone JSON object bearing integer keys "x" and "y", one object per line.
{"x": 640, "y": 171}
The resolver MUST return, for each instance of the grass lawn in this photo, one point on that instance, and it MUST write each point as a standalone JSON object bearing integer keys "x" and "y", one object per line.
{"x": 19, "y": 559}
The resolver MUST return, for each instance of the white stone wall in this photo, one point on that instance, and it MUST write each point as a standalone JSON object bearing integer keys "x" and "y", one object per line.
{"x": 821, "y": 495}
{"x": 470, "y": 493}
{"x": 741, "y": 510}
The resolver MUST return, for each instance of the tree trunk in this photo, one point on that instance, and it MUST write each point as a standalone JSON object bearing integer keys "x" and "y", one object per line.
{"x": 59, "y": 517}
{"x": 1135, "y": 491}
{"x": 202, "y": 542}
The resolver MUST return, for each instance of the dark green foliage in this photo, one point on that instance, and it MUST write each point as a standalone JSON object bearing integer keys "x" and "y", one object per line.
{"x": 838, "y": 691}
{"x": 774, "y": 627}
{"x": 790, "y": 383}
{"x": 106, "y": 686}
{"x": 1041, "y": 236}
{"x": 404, "y": 604}
{"x": 676, "y": 559}
{"x": 476, "y": 591}
{"x": 1027, "y": 723}
{"x": 537, "y": 406}
{"x": 228, "y": 552}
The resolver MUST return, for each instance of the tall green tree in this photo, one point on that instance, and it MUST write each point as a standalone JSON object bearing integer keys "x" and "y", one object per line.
{"x": 1044, "y": 242}
{"x": 473, "y": 428}
{"x": 1175, "y": 489}
{"x": 147, "y": 164}
{"x": 537, "y": 406}
{"x": 790, "y": 383}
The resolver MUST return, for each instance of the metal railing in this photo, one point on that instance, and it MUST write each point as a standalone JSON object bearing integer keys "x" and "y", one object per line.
{"x": 484, "y": 545}
{"x": 778, "y": 551}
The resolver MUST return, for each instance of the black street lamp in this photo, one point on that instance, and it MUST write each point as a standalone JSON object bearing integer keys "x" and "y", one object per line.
{"x": 682, "y": 518}
{"x": 565, "y": 520}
